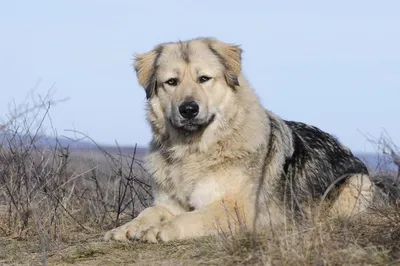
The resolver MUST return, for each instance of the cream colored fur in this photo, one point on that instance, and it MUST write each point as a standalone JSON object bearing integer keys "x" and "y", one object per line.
{"x": 354, "y": 197}
{"x": 205, "y": 181}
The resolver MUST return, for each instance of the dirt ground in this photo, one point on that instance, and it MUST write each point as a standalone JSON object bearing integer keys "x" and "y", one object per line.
{"x": 92, "y": 250}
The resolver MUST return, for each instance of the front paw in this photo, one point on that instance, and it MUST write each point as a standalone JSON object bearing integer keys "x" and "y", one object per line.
{"x": 118, "y": 234}
{"x": 129, "y": 231}
{"x": 161, "y": 233}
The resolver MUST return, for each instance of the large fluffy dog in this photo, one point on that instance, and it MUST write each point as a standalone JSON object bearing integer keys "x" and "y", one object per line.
{"x": 217, "y": 153}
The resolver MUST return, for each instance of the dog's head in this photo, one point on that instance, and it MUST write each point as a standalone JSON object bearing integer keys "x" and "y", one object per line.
{"x": 188, "y": 83}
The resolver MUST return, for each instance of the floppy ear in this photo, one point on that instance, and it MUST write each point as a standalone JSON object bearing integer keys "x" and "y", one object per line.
{"x": 230, "y": 56}
{"x": 145, "y": 66}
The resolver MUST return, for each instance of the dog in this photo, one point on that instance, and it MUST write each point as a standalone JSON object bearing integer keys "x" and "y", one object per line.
{"x": 216, "y": 152}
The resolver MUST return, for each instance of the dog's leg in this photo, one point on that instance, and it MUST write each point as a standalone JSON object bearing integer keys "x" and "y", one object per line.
{"x": 149, "y": 217}
{"x": 218, "y": 216}
{"x": 354, "y": 197}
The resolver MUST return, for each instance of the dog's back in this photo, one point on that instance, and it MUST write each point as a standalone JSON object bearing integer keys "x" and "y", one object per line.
{"x": 318, "y": 160}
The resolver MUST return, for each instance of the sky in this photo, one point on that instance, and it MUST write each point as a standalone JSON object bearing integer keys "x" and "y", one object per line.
{"x": 333, "y": 64}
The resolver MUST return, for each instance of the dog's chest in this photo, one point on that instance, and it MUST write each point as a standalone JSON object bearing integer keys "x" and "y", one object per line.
{"x": 180, "y": 178}
{"x": 194, "y": 187}
{"x": 198, "y": 179}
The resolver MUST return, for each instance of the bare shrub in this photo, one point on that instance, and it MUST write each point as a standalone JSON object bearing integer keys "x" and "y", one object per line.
{"x": 52, "y": 188}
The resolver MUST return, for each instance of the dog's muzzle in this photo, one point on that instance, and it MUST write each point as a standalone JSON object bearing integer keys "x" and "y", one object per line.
{"x": 188, "y": 118}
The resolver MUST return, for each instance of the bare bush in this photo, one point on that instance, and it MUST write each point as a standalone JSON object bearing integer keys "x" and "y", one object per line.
{"x": 51, "y": 189}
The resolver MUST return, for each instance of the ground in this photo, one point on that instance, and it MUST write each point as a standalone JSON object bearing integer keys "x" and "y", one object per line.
{"x": 91, "y": 250}
{"x": 366, "y": 242}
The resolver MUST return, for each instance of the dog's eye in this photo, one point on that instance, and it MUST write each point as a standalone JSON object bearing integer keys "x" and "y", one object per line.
{"x": 203, "y": 79}
{"x": 172, "y": 81}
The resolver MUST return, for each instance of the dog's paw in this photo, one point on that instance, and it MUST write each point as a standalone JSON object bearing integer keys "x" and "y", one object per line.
{"x": 127, "y": 232}
{"x": 136, "y": 232}
{"x": 118, "y": 234}
{"x": 161, "y": 233}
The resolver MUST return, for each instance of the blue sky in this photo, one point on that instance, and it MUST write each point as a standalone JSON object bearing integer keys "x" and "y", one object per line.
{"x": 335, "y": 65}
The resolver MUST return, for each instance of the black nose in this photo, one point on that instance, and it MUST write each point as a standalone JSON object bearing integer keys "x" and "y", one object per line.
{"x": 189, "y": 109}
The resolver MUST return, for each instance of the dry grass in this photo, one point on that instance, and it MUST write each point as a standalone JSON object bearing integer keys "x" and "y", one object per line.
{"x": 365, "y": 241}
{"x": 56, "y": 204}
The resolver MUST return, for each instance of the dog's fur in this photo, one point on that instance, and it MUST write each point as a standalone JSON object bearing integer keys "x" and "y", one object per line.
{"x": 235, "y": 158}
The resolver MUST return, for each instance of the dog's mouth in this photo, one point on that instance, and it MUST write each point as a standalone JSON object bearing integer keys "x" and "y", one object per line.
{"x": 193, "y": 125}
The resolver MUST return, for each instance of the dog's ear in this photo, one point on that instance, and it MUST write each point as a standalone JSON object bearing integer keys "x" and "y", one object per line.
{"x": 145, "y": 66}
{"x": 230, "y": 56}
